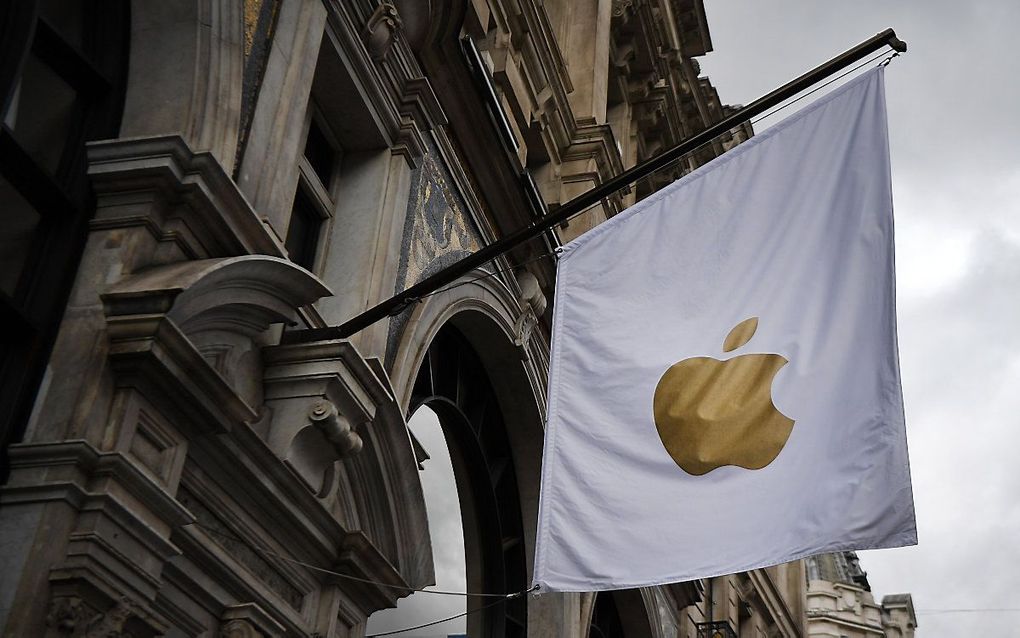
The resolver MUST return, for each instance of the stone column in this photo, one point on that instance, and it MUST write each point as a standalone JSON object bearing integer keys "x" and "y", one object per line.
{"x": 582, "y": 29}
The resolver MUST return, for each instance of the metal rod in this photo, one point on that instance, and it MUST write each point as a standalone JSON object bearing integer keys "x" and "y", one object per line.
{"x": 447, "y": 275}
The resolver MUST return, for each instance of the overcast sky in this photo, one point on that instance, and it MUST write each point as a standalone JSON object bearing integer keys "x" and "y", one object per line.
{"x": 954, "y": 100}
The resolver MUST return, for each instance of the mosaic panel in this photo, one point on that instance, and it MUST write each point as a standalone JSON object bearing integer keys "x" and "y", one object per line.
{"x": 438, "y": 232}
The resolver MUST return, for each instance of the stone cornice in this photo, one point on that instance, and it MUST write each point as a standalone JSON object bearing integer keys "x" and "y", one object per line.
{"x": 834, "y": 617}
{"x": 90, "y": 464}
{"x": 150, "y": 352}
{"x": 192, "y": 189}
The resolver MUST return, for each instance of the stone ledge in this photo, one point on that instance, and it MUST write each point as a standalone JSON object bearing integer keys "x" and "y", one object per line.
{"x": 180, "y": 195}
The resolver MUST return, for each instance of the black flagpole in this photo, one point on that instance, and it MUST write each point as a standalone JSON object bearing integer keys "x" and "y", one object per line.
{"x": 447, "y": 275}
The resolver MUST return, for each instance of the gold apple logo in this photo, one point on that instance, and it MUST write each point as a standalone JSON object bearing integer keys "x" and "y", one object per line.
{"x": 711, "y": 413}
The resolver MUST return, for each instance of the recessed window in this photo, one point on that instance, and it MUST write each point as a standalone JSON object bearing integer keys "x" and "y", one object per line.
{"x": 303, "y": 233}
{"x": 313, "y": 201}
{"x": 320, "y": 153}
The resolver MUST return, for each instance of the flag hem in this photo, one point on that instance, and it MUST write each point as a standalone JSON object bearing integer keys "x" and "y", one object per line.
{"x": 905, "y": 538}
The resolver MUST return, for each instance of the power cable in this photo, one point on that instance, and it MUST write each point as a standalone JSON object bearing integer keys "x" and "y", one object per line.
{"x": 269, "y": 552}
{"x": 434, "y": 622}
{"x": 965, "y": 611}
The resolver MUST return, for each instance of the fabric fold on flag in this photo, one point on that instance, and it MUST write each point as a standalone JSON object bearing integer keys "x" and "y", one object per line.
{"x": 724, "y": 388}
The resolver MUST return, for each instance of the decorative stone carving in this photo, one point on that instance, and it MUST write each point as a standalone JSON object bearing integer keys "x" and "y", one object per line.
{"x": 620, "y": 7}
{"x": 320, "y": 395}
{"x": 381, "y": 30}
{"x": 533, "y": 304}
{"x": 326, "y": 438}
{"x": 213, "y": 309}
{"x": 248, "y": 620}
{"x": 70, "y": 616}
{"x": 337, "y": 429}
{"x": 239, "y": 629}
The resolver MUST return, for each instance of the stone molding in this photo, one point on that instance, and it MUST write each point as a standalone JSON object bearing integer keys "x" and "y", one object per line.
{"x": 359, "y": 557}
{"x": 381, "y": 30}
{"x": 249, "y": 621}
{"x": 221, "y": 306}
{"x": 113, "y": 556}
{"x": 767, "y": 595}
{"x": 396, "y": 90}
{"x": 180, "y": 196}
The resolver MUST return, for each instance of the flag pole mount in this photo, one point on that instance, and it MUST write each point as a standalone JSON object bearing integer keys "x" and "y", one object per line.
{"x": 451, "y": 273}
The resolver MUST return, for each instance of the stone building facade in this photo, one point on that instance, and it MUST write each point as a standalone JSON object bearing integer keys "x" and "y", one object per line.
{"x": 840, "y": 603}
{"x": 189, "y": 184}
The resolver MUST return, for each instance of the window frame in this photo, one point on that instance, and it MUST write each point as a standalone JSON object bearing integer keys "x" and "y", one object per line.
{"x": 323, "y": 197}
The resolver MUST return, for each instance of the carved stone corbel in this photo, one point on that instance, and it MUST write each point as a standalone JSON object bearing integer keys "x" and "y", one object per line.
{"x": 533, "y": 304}
{"x": 248, "y": 620}
{"x": 336, "y": 429}
{"x": 71, "y": 616}
{"x": 381, "y": 30}
{"x": 320, "y": 395}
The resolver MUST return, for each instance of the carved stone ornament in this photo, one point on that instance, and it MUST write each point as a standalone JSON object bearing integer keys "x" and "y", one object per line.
{"x": 70, "y": 616}
{"x": 533, "y": 304}
{"x": 321, "y": 396}
{"x": 620, "y": 7}
{"x": 239, "y": 629}
{"x": 381, "y": 30}
{"x": 337, "y": 429}
{"x": 248, "y": 620}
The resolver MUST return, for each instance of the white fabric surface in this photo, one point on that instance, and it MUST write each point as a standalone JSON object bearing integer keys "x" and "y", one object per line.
{"x": 795, "y": 227}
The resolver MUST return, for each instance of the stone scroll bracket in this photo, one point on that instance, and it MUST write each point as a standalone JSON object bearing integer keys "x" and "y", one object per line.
{"x": 533, "y": 304}
{"x": 320, "y": 396}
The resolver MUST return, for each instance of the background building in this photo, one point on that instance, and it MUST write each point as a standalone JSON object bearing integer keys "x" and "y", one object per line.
{"x": 840, "y": 603}
{"x": 188, "y": 184}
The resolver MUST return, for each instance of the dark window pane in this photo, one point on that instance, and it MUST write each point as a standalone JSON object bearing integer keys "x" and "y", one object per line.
{"x": 303, "y": 233}
{"x": 41, "y": 113}
{"x": 66, "y": 18}
{"x": 18, "y": 224}
{"x": 320, "y": 153}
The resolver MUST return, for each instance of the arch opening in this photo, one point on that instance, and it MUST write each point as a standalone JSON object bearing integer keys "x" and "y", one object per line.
{"x": 439, "y": 486}
{"x": 453, "y": 391}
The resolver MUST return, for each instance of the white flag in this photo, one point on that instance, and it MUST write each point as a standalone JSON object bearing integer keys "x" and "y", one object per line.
{"x": 724, "y": 390}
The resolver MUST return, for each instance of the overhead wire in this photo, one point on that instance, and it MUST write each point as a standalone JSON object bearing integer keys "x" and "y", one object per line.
{"x": 928, "y": 612}
{"x": 434, "y": 622}
{"x": 265, "y": 550}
